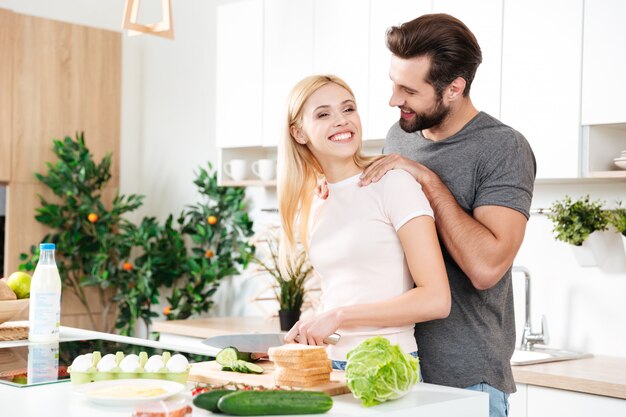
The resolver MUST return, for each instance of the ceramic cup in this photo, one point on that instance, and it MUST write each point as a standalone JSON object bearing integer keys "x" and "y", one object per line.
{"x": 265, "y": 169}
{"x": 236, "y": 169}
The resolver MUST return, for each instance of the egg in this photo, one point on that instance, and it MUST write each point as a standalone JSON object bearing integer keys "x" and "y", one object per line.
{"x": 177, "y": 363}
{"x": 107, "y": 363}
{"x": 154, "y": 364}
{"x": 130, "y": 363}
{"x": 82, "y": 363}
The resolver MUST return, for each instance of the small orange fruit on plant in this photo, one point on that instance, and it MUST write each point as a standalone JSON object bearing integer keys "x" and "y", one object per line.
{"x": 209, "y": 253}
{"x": 167, "y": 310}
{"x": 211, "y": 220}
{"x": 92, "y": 217}
{"x": 127, "y": 266}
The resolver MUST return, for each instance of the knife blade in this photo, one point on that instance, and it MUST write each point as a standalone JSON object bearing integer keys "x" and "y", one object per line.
{"x": 257, "y": 343}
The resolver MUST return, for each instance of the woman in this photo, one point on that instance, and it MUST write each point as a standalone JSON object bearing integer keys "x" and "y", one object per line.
{"x": 375, "y": 247}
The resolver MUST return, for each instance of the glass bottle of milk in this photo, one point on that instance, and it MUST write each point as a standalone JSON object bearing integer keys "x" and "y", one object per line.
{"x": 44, "y": 313}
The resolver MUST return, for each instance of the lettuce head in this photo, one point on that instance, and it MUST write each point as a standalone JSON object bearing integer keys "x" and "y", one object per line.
{"x": 378, "y": 372}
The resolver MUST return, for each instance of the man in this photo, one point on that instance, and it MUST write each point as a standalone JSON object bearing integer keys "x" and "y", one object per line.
{"x": 478, "y": 175}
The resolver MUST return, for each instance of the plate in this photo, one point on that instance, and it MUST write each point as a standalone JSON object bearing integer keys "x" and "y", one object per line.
{"x": 621, "y": 164}
{"x": 129, "y": 392}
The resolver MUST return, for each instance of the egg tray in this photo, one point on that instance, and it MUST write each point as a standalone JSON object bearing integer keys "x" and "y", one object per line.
{"x": 94, "y": 375}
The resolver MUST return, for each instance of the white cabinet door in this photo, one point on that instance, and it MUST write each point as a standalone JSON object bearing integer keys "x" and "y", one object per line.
{"x": 484, "y": 19}
{"x": 517, "y": 401}
{"x": 604, "y": 62}
{"x": 341, "y": 46}
{"x": 288, "y": 57}
{"x": 239, "y": 73}
{"x": 541, "y": 79}
{"x": 384, "y": 14}
{"x": 548, "y": 402}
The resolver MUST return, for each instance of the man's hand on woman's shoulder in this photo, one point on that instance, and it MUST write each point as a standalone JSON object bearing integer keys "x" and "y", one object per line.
{"x": 379, "y": 168}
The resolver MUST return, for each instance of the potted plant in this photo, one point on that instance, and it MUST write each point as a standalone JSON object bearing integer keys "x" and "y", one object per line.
{"x": 290, "y": 288}
{"x": 618, "y": 220}
{"x": 575, "y": 223}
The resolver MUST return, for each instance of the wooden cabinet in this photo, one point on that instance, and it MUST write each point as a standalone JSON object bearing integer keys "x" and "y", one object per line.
{"x": 7, "y": 30}
{"x": 288, "y": 57}
{"x": 239, "y": 73}
{"x": 604, "y": 62}
{"x": 484, "y": 19}
{"x": 541, "y": 78}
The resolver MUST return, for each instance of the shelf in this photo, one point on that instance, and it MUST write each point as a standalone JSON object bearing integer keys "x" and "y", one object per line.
{"x": 607, "y": 174}
{"x": 248, "y": 183}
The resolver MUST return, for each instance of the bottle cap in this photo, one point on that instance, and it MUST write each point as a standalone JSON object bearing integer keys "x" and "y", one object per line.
{"x": 46, "y": 246}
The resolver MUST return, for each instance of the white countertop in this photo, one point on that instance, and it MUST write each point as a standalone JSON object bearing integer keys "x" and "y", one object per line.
{"x": 60, "y": 399}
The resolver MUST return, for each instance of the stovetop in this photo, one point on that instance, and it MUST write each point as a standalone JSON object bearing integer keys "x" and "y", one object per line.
{"x": 37, "y": 364}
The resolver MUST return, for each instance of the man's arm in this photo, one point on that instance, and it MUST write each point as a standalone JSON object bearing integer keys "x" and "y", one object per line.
{"x": 483, "y": 245}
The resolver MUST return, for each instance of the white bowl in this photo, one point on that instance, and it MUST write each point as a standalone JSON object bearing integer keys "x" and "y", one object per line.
{"x": 621, "y": 164}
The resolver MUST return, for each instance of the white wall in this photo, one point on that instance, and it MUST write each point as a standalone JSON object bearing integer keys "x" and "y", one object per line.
{"x": 168, "y": 130}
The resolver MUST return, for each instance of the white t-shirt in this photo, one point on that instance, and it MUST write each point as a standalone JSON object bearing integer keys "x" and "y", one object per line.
{"x": 356, "y": 251}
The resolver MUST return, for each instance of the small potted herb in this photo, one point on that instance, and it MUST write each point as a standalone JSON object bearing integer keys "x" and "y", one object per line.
{"x": 574, "y": 223}
{"x": 290, "y": 288}
{"x": 618, "y": 221}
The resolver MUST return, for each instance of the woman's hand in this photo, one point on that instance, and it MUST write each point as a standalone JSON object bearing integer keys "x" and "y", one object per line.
{"x": 312, "y": 331}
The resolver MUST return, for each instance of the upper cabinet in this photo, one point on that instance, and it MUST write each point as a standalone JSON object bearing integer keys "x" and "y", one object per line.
{"x": 383, "y": 15}
{"x": 484, "y": 19}
{"x": 604, "y": 62}
{"x": 288, "y": 57}
{"x": 340, "y": 46}
{"x": 239, "y": 73}
{"x": 541, "y": 78}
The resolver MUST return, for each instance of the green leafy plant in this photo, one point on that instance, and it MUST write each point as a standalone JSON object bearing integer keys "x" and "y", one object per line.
{"x": 290, "y": 286}
{"x": 91, "y": 244}
{"x": 618, "y": 218}
{"x": 574, "y": 221}
{"x": 131, "y": 264}
{"x": 219, "y": 229}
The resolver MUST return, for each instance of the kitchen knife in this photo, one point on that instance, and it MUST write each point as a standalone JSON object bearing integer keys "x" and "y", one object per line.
{"x": 257, "y": 343}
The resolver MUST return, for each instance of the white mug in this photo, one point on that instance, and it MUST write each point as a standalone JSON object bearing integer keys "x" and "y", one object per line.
{"x": 265, "y": 169}
{"x": 236, "y": 169}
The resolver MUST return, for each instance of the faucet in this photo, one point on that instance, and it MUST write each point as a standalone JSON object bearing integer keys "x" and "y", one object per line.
{"x": 528, "y": 337}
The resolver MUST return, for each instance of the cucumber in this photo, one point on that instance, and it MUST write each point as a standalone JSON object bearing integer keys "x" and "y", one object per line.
{"x": 259, "y": 403}
{"x": 246, "y": 367}
{"x": 208, "y": 400}
{"x": 227, "y": 356}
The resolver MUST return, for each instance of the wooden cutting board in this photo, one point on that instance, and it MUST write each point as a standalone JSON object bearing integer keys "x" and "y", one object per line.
{"x": 211, "y": 373}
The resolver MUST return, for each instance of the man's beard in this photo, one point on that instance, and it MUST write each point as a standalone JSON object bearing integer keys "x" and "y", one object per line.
{"x": 422, "y": 121}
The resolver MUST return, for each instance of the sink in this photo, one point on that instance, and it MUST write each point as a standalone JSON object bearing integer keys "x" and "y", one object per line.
{"x": 544, "y": 354}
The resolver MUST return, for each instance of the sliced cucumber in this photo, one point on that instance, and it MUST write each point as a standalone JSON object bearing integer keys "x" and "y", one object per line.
{"x": 227, "y": 356}
{"x": 251, "y": 368}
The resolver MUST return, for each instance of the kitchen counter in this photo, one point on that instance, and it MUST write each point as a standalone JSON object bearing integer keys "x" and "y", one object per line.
{"x": 597, "y": 375}
{"x": 60, "y": 399}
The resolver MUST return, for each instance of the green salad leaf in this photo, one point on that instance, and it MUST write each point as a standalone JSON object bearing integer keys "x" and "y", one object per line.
{"x": 377, "y": 371}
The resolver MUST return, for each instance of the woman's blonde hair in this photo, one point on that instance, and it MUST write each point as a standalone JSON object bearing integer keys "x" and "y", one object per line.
{"x": 299, "y": 171}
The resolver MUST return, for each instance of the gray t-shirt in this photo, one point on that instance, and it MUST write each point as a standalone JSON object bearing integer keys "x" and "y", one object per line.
{"x": 486, "y": 163}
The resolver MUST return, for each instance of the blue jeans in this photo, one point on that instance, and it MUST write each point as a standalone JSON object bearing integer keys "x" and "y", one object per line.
{"x": 341, "y": 365}
{"x": 498, "y": 400}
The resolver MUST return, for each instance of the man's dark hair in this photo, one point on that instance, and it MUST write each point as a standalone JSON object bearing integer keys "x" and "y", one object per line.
{"x": 451, "y": 46}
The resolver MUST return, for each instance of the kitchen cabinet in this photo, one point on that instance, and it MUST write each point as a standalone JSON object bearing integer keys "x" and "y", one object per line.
{"x": 239, "y": 73}
{"x": 383, "y": 15}
{"x": 484, "y": 19}
{"x": 288, "y": 57}
{"x": 7, "y": 30}
{"x": 541, "y": 78}
{"x": 340, "y": 47}
{"x": 549, "y": 402}
{"x": 604, "y": 62}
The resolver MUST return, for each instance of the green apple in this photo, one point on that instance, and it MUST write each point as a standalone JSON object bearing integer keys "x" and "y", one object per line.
{"x": 19, "y": 282}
